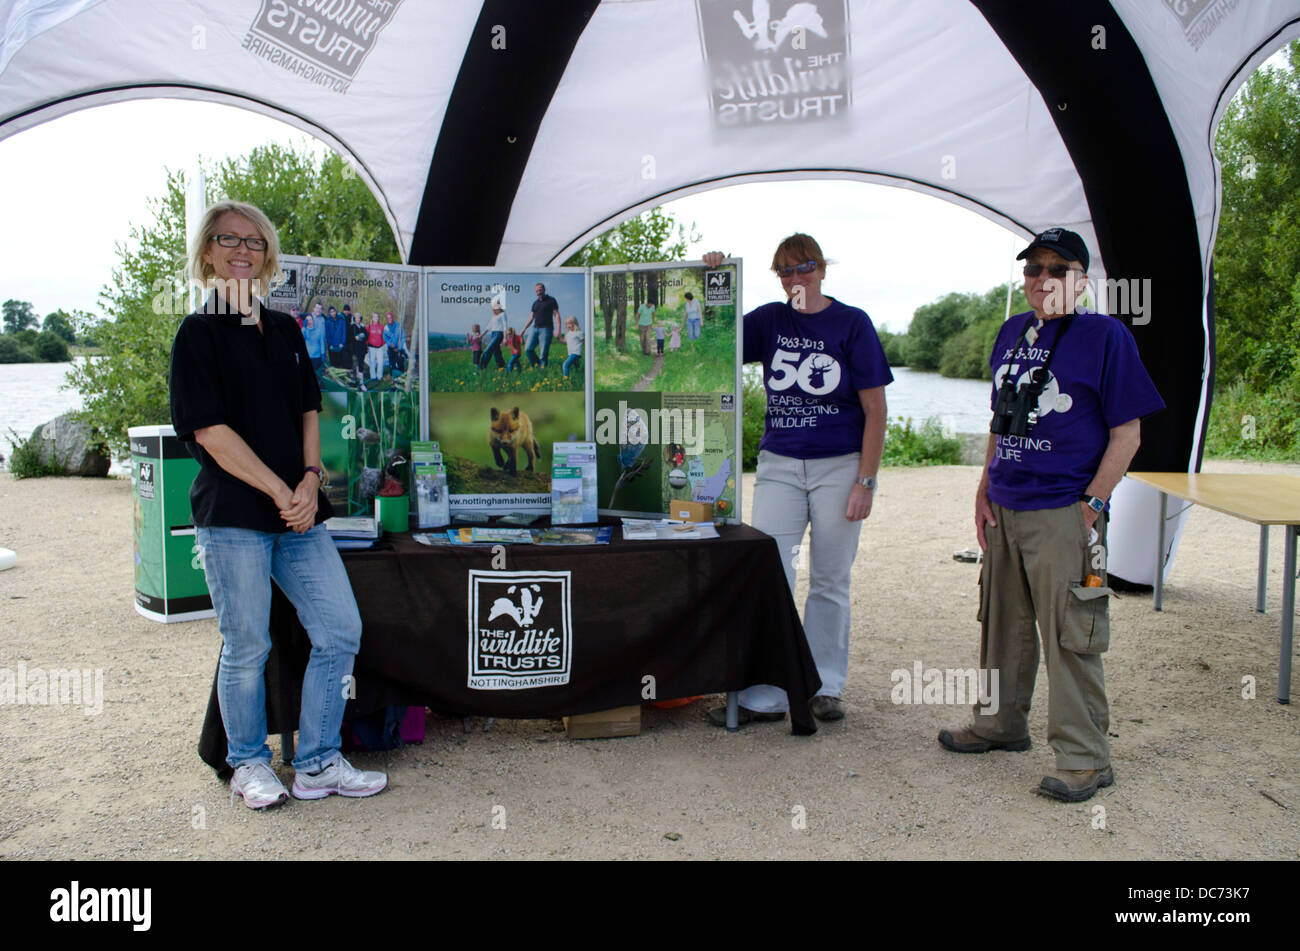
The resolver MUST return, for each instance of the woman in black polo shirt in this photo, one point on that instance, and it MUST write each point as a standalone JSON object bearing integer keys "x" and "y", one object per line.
{"x": 245, "y": 399}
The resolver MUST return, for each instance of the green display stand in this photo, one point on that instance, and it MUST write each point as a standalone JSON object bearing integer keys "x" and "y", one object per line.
{"x": 169, "y": 581}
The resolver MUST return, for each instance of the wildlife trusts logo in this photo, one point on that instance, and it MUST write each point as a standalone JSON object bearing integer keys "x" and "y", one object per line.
{"x": 323, "y": 41}
{"x": 144, "y": 483}
{"x": 775, "y": 61}
{"x": 1200, "y": 18}
{"x": 519, "y": 629}
{"x": 717, "y": 287}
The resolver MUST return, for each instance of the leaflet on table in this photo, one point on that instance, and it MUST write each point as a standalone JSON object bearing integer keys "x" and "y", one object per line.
{"x": 428, "y": 485}
{"x": 503, "y": 536}
{"x": 367, "y": 371}
{"x": 504, "y": 379}
{"x": 357, "y": 526}
{"x": 666, "y": 379}
{"x": 573, "y": 536}
{"x": 640, "y": 529}
{"x": 573, "y": 483}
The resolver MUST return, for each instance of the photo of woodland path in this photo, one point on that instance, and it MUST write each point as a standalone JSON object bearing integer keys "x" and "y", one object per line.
{"x": 705, "y": 365}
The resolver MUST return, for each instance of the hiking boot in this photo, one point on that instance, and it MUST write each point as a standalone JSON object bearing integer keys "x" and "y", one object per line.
{"x": 340, "y": 777}
{"x": 827, "y": 708}
{"x": 1075, "y": 785}
{"x": 718, "y": 716}
{"x": 258, "y": 785}
{"x": 966, "y": 740}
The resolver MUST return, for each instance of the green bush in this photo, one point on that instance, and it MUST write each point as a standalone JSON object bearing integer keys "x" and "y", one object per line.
{"x": 1257, "y": 425}
{"x": 894, "y": 346}
{"x": 51, "y": 348}
{"x": 925, "y": 445}
{"x": 26, "y": 338}
{"x": 25, "y": 460}
{"x": 11, "y": 351}
{"x": 753, "y": 406}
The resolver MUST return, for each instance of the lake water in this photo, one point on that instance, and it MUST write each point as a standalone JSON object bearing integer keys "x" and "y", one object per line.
{"x": 30, "y": 394}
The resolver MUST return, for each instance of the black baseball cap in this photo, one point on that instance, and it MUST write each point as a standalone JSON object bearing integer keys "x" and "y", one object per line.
{"x": 1065, "y": 243}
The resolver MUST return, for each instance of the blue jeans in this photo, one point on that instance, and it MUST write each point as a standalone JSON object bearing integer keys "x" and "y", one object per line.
{"x": 570, "y": 361}
{"x": 513, "y": 364}
{"x": 240, "y": 564}
{"x": 491, "y": 349}
{"x": 538, "y": 336}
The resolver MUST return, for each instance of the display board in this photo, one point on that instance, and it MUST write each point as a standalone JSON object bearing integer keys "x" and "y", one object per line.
{"x": 666, "y": 360}
{"x": 506, "y": 379}
{"x": 370, "y": 396}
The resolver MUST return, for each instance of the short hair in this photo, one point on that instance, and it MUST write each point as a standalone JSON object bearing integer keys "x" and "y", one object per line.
{"x": 690, "y": 296}
{"x": 542, "y": 286}
{"x": 200, "y": 271}
{"x": 800, "y": 247}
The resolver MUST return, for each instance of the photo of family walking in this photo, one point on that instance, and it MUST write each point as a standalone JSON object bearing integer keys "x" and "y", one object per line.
{"x": 658, "y": 329}
{"x": 494, "y": 332}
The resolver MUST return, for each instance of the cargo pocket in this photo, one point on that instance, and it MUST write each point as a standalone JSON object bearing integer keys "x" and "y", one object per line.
{"x": 983, "y": 608}
{"x": 1086, "y": 626}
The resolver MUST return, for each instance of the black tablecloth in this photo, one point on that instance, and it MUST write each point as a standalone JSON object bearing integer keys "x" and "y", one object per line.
{"x": 699, "y": 616}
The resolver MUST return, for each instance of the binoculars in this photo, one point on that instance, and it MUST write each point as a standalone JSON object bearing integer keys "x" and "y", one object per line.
{"x": 1016, "y": 408}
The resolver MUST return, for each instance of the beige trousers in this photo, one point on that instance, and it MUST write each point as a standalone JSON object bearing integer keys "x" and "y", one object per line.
{"x": 1033, "y": 574}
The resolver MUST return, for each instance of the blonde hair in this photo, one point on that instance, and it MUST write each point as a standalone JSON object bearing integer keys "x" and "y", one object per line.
{"x": 799, "y": 247}
{"x": 200, "y": 272}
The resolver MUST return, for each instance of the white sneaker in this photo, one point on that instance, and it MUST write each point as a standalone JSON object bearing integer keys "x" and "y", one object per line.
{"x": 340, "y": 777}
{"x": 258, "y": 785}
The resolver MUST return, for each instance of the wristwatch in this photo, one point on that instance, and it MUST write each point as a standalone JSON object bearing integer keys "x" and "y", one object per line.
{"x": 320, "y": 475}
{"x": 1094, "y": 503}
{"x": 868, "y": 482}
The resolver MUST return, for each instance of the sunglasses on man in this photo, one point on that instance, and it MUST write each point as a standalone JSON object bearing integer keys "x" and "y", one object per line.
{"x": 1057, "y": 271}
{"x": 234, "y": 241}
{"x": 806, "y": 268}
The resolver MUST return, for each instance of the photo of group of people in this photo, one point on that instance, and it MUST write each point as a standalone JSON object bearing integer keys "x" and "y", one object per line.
{"x": 342, "y": 340}
{"x": 358, "y": 321}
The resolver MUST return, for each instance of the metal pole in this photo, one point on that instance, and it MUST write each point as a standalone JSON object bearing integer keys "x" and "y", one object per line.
{"x": 1261, "y": 582}
{"x": 1288, "y": 616}
{"x": 1160, "y": 554}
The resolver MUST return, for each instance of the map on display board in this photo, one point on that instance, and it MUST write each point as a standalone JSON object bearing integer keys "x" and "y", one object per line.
{"x": 506, "y": 379}
{"x": 666, "y": 386}
{"x": 359, "y": 322}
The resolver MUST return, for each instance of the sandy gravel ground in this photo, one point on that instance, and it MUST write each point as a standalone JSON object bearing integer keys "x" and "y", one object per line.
{"x": 1201, "y": 772}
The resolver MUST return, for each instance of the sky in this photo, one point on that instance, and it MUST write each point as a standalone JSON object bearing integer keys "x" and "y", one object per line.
{"x": 74, "y": 186}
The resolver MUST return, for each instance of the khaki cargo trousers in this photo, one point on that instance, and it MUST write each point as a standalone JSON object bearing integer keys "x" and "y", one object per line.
{"x": 1033, "y": 573}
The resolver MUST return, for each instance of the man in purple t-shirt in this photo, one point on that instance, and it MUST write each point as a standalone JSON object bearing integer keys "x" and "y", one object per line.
{"x": 1069, "y": 392}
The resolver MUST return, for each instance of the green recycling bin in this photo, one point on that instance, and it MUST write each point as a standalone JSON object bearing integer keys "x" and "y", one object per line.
{"x": 169, "y": 581}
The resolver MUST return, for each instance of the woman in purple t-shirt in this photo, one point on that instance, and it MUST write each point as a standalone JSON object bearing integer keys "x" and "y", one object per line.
{"x": 824, "y": 373}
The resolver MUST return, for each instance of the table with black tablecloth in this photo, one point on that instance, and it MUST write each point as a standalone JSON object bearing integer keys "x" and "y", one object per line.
{"x": 700, "y": 616}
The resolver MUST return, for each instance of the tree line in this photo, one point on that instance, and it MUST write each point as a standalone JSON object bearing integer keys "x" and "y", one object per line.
{"x": 28, "y": 339}
{"x": 953, "y": 334}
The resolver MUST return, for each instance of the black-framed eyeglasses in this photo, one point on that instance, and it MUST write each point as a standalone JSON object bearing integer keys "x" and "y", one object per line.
{"x": 806, "y": 268}
{"x": 1057, "y": 271}
{"x": 234, "y": 241}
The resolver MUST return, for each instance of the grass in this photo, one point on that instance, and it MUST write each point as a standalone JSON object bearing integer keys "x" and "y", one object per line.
{"x": 25, "y": 460}
{"x": 451, "y": 371}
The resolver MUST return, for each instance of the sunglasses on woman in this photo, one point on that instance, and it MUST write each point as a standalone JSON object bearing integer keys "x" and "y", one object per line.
{"x": 234, "y": 241}
{"x": 806, "y": 268}
{"x": 1057, "y": 271}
